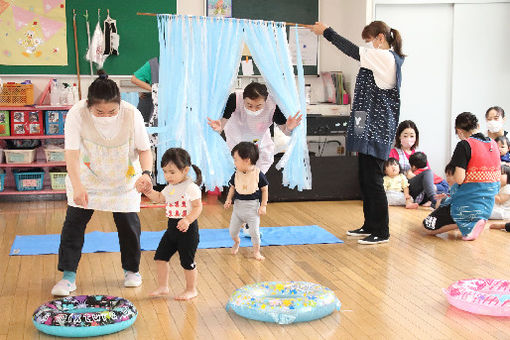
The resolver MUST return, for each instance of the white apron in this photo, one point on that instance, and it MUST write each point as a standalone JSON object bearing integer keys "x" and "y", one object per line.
{"x": 242, "y": 127}
{"x": 109, "y": 168}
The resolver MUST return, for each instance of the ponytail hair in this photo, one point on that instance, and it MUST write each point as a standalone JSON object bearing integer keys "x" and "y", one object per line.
{"x": 198, "y": 173}
{"x": 181, "y": 160}
{"x": 391, "y": 35}
{"x": 103, "y": 90}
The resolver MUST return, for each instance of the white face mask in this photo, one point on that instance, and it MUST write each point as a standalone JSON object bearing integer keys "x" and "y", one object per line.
{"x": 104, "y": 121}
{"x": 494, "y": 125}
{"x": 253, "y": 113}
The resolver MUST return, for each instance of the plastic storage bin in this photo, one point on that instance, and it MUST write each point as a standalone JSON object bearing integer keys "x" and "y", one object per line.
{"x": 20, "y": 156}
{"x": 58, "y": 180}
{"x": 13, "y": 94}
{"x": 54, "y": 122}
{"x": 4, "y": 124}
{"x": 54, "y": 155}
{"x": 27, "y": 123}
{"x": 2, "y": 181}
{"x": 26, "y": 181}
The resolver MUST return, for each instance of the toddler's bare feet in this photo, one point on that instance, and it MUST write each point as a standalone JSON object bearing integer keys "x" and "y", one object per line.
{"x": 235, "y": 247}
{"x": 186, "y": 295}
{"x": 412, "y": 205}
{"x": 427, "y": 204}
{"x": 258, "y": 256}
{"x": 160, "y": 291}
{"x": 497, "y": 226}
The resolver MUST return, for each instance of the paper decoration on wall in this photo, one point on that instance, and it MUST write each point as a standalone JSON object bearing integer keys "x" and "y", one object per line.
{"x": 50, "y": 4}
{"x": 33, "y": 32}
{"x": 219, "y": 8}
{"x": 309, "y": 45}
{"x": 3, "y": 6}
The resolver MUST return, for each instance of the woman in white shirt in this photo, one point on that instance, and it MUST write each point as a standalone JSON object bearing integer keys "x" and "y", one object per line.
{"x": 108, "y": 161}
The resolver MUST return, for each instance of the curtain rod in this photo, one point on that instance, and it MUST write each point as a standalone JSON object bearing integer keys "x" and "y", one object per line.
{"x": 286, "y": 23}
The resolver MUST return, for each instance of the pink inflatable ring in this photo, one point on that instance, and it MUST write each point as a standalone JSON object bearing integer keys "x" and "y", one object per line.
{"x": 480, "y": 296}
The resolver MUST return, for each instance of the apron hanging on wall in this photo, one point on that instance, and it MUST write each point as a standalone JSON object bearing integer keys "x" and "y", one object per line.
{"x": 111, "y": 38}
{"x": 96, "y": 48}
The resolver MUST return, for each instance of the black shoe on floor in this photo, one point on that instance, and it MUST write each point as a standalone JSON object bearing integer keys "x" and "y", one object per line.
{"x": 373, "y": 240}
{"x": 358, "y": 232}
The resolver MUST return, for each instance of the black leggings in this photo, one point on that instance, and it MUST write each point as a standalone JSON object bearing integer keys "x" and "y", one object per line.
{"x": 185, "y": 243}
{"x": 73, "y": 232}
{"x": 438, "y": 218}
{"x": 375, "y": 202}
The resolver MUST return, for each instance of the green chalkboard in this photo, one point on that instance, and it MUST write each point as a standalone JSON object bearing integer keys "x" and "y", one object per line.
{"x": 297, "y": 11}
{"x": 138, "y": 36}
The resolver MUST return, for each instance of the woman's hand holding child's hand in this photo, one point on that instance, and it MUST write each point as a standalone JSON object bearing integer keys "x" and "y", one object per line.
{"x": 143, "y": 184}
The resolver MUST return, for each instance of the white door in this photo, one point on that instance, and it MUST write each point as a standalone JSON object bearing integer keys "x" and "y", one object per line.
{"x": 481, "y": 59}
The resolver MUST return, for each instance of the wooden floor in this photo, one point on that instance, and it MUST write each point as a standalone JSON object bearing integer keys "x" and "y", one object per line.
{"x": 388, "y": 291}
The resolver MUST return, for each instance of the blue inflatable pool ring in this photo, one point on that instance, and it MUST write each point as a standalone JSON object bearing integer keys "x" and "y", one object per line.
{"x": 84, "y": 316}
{"x": 283, "y": 302}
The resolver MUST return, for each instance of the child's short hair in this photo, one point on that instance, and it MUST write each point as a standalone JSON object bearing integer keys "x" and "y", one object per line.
{"x": 505, "y": 170}
{"x": 418, "y": 160}
{"x": 247, "y": 150}
{"x": 449, "y": 169}
{"x": 392, "y": 161}
{"x": 502, "y": 139}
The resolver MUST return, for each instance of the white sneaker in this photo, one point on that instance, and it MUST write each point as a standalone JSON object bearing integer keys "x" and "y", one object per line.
{"x": 63, "y": 288}
{"x": 132, "y": 279}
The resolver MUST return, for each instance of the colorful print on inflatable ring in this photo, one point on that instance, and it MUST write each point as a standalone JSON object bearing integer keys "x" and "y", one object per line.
{"x": 283, "y": 302}
{"x": 480, "y": 296}
{"x": 84, "y": 315}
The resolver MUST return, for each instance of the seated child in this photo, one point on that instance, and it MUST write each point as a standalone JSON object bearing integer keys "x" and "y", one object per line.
{"x": 248, "y": 186}
{"x": 423, "y": 183}
{"x": 396, "y": 185}
{"x": 183, "y": 206}
{"x": 503, "y": 149}
{"x": 443, "y": 199}
{"x": 501, "y": 210}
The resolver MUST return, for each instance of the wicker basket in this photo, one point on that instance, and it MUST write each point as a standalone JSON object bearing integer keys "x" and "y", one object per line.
{"x": 17, "y": 94}
{"x": 20, "y": 156}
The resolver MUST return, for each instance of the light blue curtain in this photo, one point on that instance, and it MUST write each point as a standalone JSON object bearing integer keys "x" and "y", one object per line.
{"x": 130, "y": 97}
{"x": 199, "y": 60}
{"x": 199, "y": 57}
{"x": 268, "y": 45}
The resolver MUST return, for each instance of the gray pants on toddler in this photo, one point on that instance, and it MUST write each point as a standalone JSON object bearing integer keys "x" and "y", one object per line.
{"x": 246, "y": 212}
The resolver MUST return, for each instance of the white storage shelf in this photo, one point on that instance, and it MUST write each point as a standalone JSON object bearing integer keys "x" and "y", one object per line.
{"x": 40, "y": 158}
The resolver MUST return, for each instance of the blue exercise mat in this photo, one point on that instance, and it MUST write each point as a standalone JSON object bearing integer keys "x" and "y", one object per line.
{"x": 98, "y": 241}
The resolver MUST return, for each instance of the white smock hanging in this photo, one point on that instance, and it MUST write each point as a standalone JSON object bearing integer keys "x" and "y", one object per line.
{"x": 111, "y": 38}
{"x": 96, "y": 47}
{"x": 245, "y": 127}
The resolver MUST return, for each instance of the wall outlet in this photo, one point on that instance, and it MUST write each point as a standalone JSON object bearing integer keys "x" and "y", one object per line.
{"x": 239, "y": 84}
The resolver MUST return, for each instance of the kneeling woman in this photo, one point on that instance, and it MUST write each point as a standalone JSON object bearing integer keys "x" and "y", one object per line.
{"x": 477, "y": 172}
